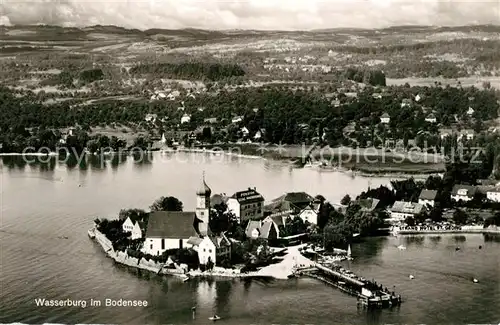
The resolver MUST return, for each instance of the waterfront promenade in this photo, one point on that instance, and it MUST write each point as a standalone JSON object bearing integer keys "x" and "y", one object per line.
{"x": 462, "y": 230}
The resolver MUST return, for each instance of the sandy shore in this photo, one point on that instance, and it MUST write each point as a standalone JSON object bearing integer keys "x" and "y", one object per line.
{"x": 286, "y": 267}
{"x": 280, "y": 270}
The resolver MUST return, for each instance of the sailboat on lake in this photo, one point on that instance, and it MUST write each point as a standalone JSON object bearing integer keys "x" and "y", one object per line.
{"x": 349, "y": 257}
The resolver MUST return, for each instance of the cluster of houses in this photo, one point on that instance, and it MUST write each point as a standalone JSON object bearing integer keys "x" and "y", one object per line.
{"x": 167, "y": 230}
{"x": 168, "y": 94}
{"x": 431, "y": 118}
{"x": 402, "y": 210}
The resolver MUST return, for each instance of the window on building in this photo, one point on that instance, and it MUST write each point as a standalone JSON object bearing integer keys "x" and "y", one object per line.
{"x": 163, "y": 243}
{"x": 151, "y": 246}
{"x": 204, "y": 250}
{"x": 210, "y": 251}
{"x": 202, "y": 213}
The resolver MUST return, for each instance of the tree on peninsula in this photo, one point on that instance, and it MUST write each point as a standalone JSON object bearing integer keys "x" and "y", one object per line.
{"x": 168, "y": 203}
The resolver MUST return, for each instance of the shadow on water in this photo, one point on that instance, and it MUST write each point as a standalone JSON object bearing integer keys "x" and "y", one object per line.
{"x": 414, "y": 240}
{"x": 142, "y": 159}
{"x": 495, "y": 238}
{"x": 372, "y": 316}
{"x": 369, "y": 248}
{"x": 71, "y": 161}
{"x": 117, "y": 160}
{"x": 48, "y": 165}
{"x": 222, "y": 298}
{"x": 15, "y": 162}
{"x": 459, "y": 239}
{"x": 97, "y": 162}
{"x": 247, "y": 284}
{"x": 435, "y": 239}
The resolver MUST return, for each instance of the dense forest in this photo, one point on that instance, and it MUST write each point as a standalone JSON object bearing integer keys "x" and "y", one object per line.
{"x": 369, "y": 77}
{"x": 190, "y": 71}
{"x": 67, "y": 78}
{"x": 289, "y": 116}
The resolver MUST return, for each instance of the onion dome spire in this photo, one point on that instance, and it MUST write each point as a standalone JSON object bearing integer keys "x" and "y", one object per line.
{"x": 204, "y": 189}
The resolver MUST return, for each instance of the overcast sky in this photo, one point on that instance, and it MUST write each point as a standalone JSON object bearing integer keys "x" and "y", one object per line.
{"x": 250, "y": 14}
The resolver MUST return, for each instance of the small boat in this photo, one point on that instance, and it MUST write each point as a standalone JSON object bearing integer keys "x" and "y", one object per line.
{"x": 91, "y": 233}
{"x": 402, "y": 247}
{"x": 457, "y": 249}
{"x": 349, "y": 253}
{"x": 475, "y": 280}
{"x": 411, "y": 277}
{"x": 214, "y": 318}
{"x": 395, "y": 231}
{"x": 185, "y": 278}
{"x": 327, "y": 168}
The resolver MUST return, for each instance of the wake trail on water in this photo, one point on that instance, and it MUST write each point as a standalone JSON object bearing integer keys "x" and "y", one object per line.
{"x": 434, "y": 271}
{"x": 31, "y": 234}
{"x": 40, "y": 252}
{"x": 54, "y": 180}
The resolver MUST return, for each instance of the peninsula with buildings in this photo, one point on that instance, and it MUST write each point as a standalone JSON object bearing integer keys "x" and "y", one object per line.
{"x": 293, "y": 235}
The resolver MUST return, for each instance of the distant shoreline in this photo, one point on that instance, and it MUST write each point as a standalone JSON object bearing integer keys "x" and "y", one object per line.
{"x": 292, "y": 154}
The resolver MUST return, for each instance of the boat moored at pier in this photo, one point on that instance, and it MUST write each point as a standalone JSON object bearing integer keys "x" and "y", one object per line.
{"x": 369, "y": 293}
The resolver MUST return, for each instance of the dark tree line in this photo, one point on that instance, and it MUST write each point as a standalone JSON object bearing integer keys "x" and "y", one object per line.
{"x": 369, "y": 77}
{"x": 288, "y": 116}
{"x": 210, "y": 71}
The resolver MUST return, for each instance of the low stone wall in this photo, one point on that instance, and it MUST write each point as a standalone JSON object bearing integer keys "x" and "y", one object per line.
{"x": 122, "y": 257}
{"x": 143, "y": 264}
{"x": 103, "y": 241}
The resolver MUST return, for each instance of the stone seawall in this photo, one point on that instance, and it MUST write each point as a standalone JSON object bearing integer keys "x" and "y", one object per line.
{"x": 104, "y": 242}
{"x": 123, "y": 258}
{"x": 278, "y": 271}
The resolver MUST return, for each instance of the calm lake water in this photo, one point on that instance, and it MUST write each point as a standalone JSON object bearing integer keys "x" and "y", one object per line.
{"x": 42, "y": 204}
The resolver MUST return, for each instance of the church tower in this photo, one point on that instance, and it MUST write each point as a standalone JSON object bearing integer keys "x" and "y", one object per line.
{"x": 203, "y": 201}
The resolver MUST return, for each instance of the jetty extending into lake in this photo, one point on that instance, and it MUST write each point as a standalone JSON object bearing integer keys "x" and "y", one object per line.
{"x": 369, "y": 293}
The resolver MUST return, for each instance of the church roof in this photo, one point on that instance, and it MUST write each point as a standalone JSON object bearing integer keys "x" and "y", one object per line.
{"x": 170, "y": 224}
{"x": 175, "y": 225}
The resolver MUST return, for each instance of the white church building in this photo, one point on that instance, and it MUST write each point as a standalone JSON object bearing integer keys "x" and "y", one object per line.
{"x": 173, "y": 229}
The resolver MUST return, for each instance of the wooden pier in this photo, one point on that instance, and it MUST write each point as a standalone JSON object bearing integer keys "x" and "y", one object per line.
{"x": 369, "y": 294}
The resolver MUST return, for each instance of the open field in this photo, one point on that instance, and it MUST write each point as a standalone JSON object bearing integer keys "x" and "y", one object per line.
{"x": 477, "y": 81}
{"x": 472, "y": 50}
